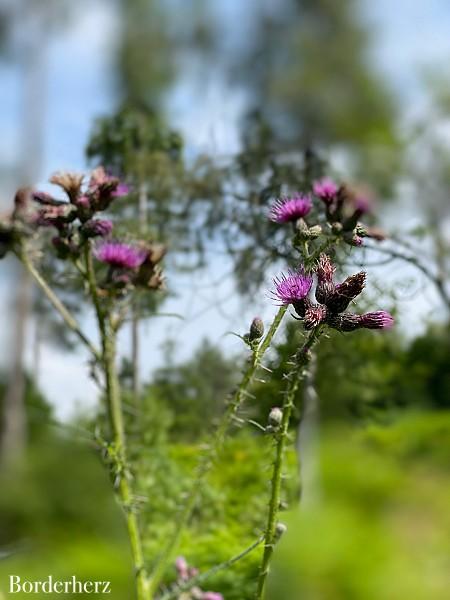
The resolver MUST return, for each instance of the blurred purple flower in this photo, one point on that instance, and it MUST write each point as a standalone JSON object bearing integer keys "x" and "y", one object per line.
{"x": 363, "y": 204}
{"x": 325, "y": 189}
{"x": 292, "y": 287}
{"x": 290, "y": 209}
{"x": 182, "y": 568}
{"x": 212, "y": 596}
{"x": 121, "y": 190}
{"x": 120, "y": 255}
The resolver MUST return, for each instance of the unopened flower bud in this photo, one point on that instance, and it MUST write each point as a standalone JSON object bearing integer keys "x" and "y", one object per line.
{"x": 256, "y": 329}
{"x": 280, "y": 530}
{"x": 353, "y": 239}
{"x": 345, "y": 292}
{"x": 314, "y": 232}
{"x": 336, "y": 228}
{"x": 361, "y": 230}
{"x": 97, "y": 228}
{"x": 275, "y": 417}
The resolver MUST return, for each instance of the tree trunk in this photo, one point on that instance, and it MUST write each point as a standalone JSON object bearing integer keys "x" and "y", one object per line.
{"x": 30, "y": 21}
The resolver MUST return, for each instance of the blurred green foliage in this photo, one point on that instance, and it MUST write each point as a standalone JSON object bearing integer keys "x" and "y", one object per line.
{"x": 381, "y": 530}
{"x": 378, "y": 531}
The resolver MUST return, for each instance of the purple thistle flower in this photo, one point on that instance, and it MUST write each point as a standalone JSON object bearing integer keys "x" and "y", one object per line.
{"x": 379, "y": 319}
{"x": 97, "y": 228}
{"x": 286, "y": 210}
{"x": 326, "y": 189}
{"x": 292, "y": 288}
{"x": 117, "y": 254}
{"x": 212, "y": 596}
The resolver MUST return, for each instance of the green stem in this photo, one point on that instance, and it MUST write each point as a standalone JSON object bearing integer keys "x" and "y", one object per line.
{"x": 295, "y": 376}
{"x": 208, "y": 458}
{"x": 67, "y": 317}
{"x": 174, "y": 593}
{"x": 115, "y": 414}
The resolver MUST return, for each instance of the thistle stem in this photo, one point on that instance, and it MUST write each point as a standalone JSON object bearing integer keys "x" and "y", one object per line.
{"x": 207, "y": 460}
{"x": 115, "y": 414}
{"x": 294, "y": 377}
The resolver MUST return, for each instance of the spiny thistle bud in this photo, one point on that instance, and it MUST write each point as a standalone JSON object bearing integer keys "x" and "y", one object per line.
{"x": 336, "y": 228}
{"x": 325, "y": 272}
{"x": 345, "y": 292}
{"x": 275, "y": 417}
{"x": 353, "y": 239}
{"x": 280, "y": 530}
{"x": 315, "y": 231}
{"x": 344, "y": 322}
{"x": 379, "y": 319}
{"x": 150, "y": 275}
{"x": 361, "y": 230}
{"x": 314, "y": 315}
{"x": 96, "y": 228}
{"x": 256, "y": 329}
{"x": 349, "y": 322}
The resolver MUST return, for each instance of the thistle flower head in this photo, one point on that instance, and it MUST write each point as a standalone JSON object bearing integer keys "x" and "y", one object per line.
{"x": 211, "y": 596}
{"x": 120, "y": 255}
{"x": 286, "y": 210}
{"x": 325, "y": 189}
{"x": 379, "y": 319}
{"x": 345, "y": 292}
{"x": 292, "y": 288}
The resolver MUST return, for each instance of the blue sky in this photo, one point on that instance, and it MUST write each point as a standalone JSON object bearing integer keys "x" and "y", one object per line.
{"x": 410, "y": 35}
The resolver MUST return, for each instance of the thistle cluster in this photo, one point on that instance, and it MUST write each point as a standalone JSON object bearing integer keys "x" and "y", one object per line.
{"x": 331, "y": 299}
{"x": 342, "y": 207}
{"x": 184, "y": 574}
{"x": 77, "y": 221}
